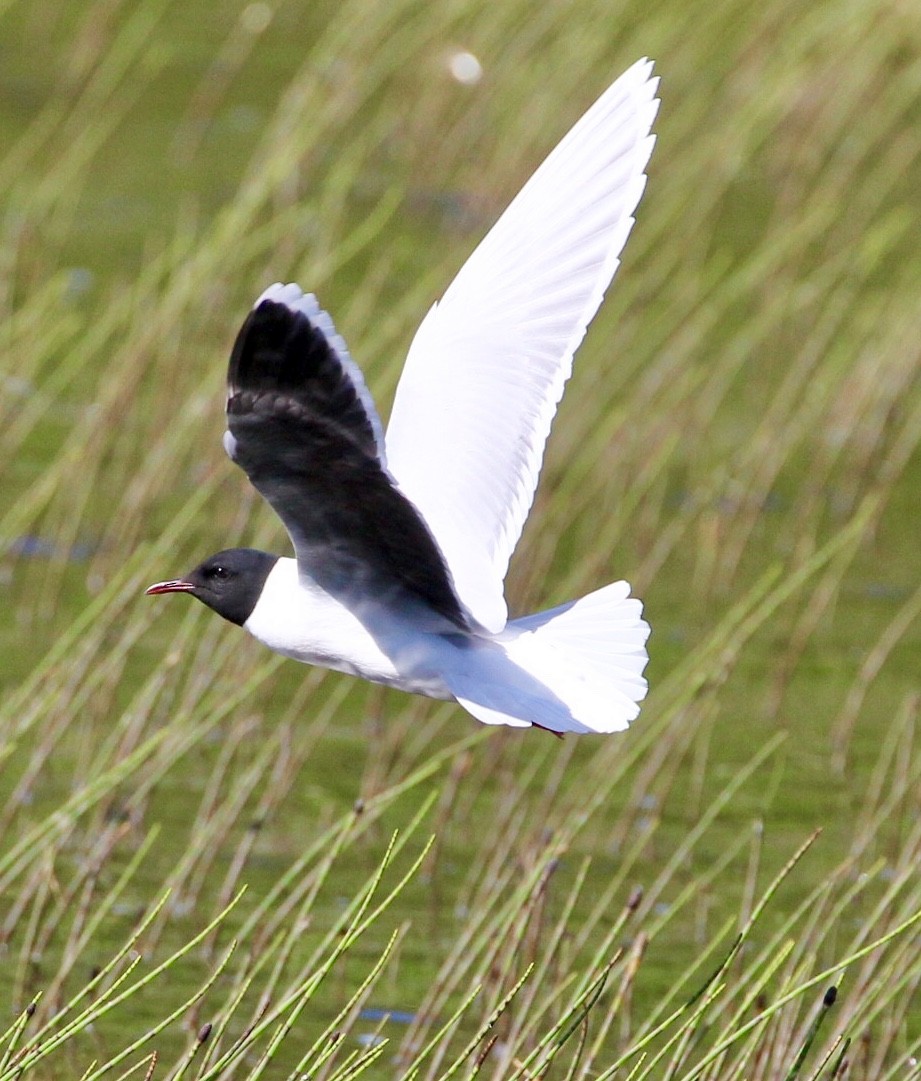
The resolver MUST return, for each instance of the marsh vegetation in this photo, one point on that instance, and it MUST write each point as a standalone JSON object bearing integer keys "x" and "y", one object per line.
{"x": 217, "y": 864}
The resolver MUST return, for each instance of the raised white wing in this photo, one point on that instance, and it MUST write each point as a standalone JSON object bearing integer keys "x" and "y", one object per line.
{"x": 487, "y": 367}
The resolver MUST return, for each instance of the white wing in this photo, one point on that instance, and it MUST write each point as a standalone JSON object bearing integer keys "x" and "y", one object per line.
{"x": 487, "y": 367}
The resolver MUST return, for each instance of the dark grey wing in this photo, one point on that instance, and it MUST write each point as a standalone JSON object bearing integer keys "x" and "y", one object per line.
{"x": 302, "y": 425}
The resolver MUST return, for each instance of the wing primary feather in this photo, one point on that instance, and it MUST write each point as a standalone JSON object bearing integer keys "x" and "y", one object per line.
{"x": 289, "y": 347}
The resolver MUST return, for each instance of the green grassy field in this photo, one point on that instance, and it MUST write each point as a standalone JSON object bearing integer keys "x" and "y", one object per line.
{"x": 214, "y": 863}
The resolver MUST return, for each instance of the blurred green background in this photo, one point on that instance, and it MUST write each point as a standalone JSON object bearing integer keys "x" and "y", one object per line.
{"x": 740, "y": 440}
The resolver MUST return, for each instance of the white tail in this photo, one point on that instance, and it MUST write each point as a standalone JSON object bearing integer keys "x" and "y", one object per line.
{"x": 576, "y": 668}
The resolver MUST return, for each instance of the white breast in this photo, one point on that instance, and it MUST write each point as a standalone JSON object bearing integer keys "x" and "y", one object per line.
{"x": 297, "y": 618}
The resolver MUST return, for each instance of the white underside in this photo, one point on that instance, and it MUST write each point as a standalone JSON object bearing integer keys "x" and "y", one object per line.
{"x": 577, "y": 668}
{"x": 297, "y": 618}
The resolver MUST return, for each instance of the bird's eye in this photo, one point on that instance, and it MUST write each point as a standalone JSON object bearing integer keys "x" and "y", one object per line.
{"x": 221, "y": 573}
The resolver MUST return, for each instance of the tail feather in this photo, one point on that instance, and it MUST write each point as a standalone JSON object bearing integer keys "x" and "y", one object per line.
{"x": 576, "y": 668}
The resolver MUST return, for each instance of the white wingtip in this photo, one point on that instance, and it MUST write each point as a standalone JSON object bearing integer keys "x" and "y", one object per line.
{"x": 294, "y": 298}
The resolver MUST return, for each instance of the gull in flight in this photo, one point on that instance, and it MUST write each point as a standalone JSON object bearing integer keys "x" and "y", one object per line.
{"x": 402, "y": 541}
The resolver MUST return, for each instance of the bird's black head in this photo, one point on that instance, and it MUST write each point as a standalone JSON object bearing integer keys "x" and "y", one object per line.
{"x": 229, "y": 582}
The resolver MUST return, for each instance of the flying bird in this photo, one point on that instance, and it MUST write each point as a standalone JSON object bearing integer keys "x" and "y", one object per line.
{"x": 402, "y": 541}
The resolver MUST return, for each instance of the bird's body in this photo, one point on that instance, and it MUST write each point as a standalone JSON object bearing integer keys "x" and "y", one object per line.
{"x": 367, "y": 638}
{"x": 402, "y": 541}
